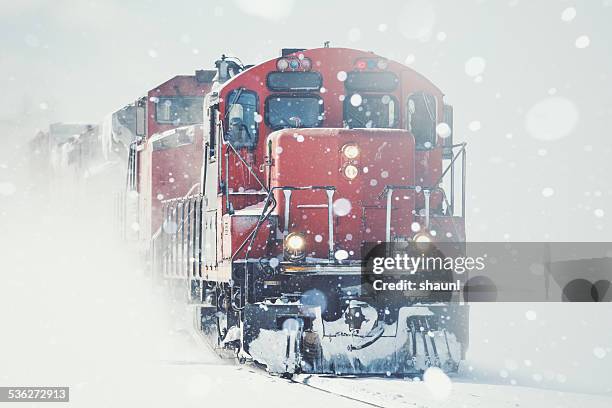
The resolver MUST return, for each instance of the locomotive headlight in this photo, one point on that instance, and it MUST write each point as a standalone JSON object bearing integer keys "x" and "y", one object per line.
{"x": 423, "y": 240}
{"x": 350, "y": 172}
{"x": 350, "y": 151}
{"x": 295, "y": 243}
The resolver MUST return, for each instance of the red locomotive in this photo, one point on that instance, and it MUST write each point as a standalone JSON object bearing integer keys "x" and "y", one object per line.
{"x": 307, "y": 157}
{"x": 166, "y": 162}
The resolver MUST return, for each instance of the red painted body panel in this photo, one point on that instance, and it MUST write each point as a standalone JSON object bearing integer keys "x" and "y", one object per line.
{"x": 386, "y": 158}
{"x": 175, "y": 171}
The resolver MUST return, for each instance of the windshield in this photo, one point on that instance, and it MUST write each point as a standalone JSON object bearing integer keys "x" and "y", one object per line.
{"x": 370, "y": 111}
{"x": 179, "y": 110}
{"x": 293, "y": 111}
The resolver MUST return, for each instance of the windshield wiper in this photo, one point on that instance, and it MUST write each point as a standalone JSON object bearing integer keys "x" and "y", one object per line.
{"x": 231, "y": 105}
{"x": 356, "y": 118}
{"x": 283, "y": 118}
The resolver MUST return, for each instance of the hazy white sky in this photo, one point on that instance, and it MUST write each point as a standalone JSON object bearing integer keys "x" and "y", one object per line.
{"x": 530, "y": 82}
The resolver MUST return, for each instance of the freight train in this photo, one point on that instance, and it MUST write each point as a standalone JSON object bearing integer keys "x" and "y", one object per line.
{"x": 255, "y": 189}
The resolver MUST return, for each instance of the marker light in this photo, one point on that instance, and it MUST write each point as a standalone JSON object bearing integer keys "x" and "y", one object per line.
{"x": 350, "y": 171}
{"x": 306, "y": 64}
{"x": 282, "y": 64}
{"x": 382, "y": 64}
{"x": 294, "y": 64}
{"x": 350, "y": 151}
{"x": 362, "y": 64}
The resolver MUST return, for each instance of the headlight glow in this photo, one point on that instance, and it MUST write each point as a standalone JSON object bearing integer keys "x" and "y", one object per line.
{"x": 294, "y": 247}
{"x": 350, "y": 172}
{"x": 350, "y": 151}
{"x": 295, "y": 242}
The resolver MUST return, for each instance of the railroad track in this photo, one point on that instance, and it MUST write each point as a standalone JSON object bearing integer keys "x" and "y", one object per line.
{"x": 227, "y": 356}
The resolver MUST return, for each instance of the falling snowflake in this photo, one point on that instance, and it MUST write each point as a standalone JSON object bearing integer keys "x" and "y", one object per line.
{"x": 583, "y": 41}
{"x": 551, "y": 118}
{"x": 599, "y": 352}
{"x": 568, "y": 14}
{"x": 443, "y": 130}
{"x": 475, "y": 66}
{"x": 356, "y": 100}
{"x": 341, "y": 255}
{"x": 342, "y": 207}
{"x": 548, "y": 192}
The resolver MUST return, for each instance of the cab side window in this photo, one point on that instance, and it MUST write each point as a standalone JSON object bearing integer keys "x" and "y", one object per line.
{"x": 421, "y": 109}
{"x": 242, "y": 119}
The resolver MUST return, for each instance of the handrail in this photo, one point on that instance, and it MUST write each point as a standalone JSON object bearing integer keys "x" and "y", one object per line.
{"x": 270, "y": 197}
{"x": 249, "y": 168}
{"x": 265, "y": 214}
{"x": 191, "y": 189}
{"x": 171, "y": 200}
{"x": 452, "y": 162}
